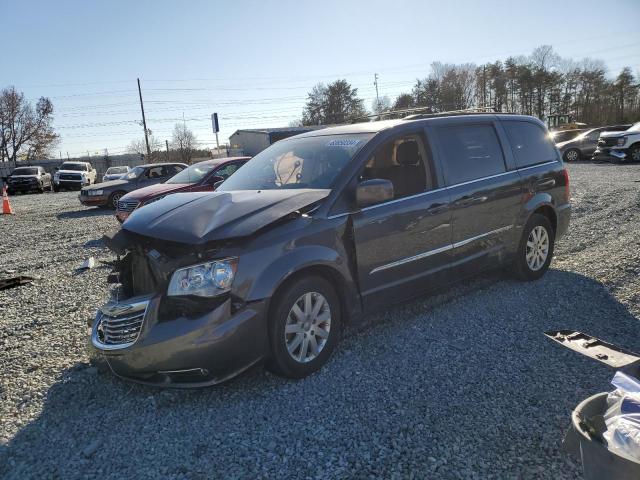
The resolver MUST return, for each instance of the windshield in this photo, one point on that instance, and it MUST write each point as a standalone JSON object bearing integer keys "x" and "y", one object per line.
{"x": 193, "y": 174}
{"x": 79, "y": 167}
{"x": 134, "y": 173}
{"x": 307, "y": 162}
{"x": 116, "y": 170}
{"x": 634, "y": 128}
{"x": 25, "y": 171}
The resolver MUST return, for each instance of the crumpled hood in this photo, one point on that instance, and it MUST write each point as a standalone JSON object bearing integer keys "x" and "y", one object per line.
{"x": 198, "y": 218}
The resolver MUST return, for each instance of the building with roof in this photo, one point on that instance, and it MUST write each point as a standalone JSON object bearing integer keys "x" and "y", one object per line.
{"x": 253, "y": 140}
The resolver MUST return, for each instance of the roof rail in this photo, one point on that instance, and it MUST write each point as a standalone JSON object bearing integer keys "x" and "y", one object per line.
{"x": 465, "y": 111}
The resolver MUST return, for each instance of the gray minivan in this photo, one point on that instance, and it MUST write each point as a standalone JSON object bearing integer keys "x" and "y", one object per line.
{"x": 320, "y": 229}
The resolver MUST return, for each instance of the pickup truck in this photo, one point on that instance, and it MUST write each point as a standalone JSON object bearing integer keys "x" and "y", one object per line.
{"x": 74, "y": 175}
{"x": 26, "y": 179}
{"x": 623, "y": 146}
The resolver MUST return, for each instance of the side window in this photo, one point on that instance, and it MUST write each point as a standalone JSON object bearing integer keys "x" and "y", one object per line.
{"x": 471, "y": 152}
{"x": 405, "y": 163}
{"x": 171, "y": 170}
{"x": 227, "y": 170}
{"x": 155, "y": 172}
{"x": 530, "y": 143}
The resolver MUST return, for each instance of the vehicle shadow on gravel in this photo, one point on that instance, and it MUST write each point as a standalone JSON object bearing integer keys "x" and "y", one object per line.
{"x": 89, "y": 212}
{"x": 466, "y": 376}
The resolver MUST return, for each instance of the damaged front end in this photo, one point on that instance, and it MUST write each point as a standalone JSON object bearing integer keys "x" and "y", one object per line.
{"x": 149, "y": 336}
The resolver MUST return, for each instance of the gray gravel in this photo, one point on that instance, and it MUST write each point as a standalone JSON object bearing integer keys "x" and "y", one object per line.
{"x": 460, "y": 385}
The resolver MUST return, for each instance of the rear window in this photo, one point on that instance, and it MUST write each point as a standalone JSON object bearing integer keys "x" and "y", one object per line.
{"x": 471, "y": 152}
{"x": 530, "y": 143}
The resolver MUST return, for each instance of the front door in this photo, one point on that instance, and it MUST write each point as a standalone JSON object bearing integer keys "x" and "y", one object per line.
{"x": 402, "y": 245}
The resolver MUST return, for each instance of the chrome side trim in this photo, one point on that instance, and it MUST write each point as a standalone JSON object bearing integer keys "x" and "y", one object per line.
{"x": 481, "y": 179}
{"x": 390, "y": 202}
{"x": 436, "y": 251}
{"x": 538, "y": 165}
{"x": 411, "y": 259}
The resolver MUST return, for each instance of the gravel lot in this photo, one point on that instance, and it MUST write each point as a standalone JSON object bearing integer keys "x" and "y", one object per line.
{"x": 461, "y": 385}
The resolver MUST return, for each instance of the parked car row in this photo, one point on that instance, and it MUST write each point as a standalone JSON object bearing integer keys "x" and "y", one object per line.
{"x": 69, "y": 176}
{"x": 614, "y": 143}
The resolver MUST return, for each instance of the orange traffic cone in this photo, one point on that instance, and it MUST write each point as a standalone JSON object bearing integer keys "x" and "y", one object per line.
{"x": 6, "y": 206}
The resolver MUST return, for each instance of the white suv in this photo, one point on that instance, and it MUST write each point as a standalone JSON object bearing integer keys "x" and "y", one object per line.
{"x": 620, "y": 146}
{"x": 74, "y": 175}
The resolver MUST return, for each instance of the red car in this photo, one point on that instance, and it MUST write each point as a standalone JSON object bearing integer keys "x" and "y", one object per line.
{"x": 199, "y": 177}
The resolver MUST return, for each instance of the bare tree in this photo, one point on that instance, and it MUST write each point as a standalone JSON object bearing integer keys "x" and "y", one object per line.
{"x": 25, "y": 131}
{"x": 139, "y": 146}
{"x": 184, "y": 141}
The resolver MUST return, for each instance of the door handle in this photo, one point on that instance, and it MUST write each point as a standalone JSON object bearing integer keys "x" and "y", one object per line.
{"x": 436, "y": 208}
{"x": 469, "y": 200}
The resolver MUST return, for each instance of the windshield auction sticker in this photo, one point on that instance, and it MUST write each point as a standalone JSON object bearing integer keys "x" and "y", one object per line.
{"x": 347, "y": 142}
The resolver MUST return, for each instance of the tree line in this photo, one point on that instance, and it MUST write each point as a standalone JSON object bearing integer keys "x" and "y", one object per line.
{"x": 540, "y": 84}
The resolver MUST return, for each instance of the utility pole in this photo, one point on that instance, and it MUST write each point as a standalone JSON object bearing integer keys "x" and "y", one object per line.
{"x": 144, "y": 121}
{"x": 68, "y": 156}
{"x": 166, "y": 142}
{"x": 375, "y": 82}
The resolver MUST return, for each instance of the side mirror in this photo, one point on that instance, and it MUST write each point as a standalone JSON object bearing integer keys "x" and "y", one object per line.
{"x": 376, "y": 190}
{"x": 218, "y": 183}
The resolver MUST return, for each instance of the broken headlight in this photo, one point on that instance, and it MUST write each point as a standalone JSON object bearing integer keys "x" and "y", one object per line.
{"x": 203, "y": 280}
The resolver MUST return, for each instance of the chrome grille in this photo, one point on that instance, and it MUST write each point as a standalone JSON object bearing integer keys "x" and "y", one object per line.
{"x": 608, "y": 142}
{"x": 70, "y": 176}
{"x": 118, "y": 325}
{"x": 127, "y": 206}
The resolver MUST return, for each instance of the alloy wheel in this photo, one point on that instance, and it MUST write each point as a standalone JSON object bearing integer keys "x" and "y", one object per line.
{"x": 308, "y": 325}
{"x": 571, "y": 156}
{"x": 635, "y": 154}
{"x": 537, "y": 248}
{"x": 115, "y": 198}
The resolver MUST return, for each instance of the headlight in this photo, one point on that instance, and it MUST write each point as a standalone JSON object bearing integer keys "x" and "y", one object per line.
{"x": 621, "y": 141}
{"x": 95, "y": 193}
{"x": 204, "y": 280}
{"x": 56, "y": 175}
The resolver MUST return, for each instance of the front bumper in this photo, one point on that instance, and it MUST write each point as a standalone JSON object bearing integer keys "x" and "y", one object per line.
{"x": 22, "y": 187}
{"x": 93, "y": 201}
{"x": 71, "y": 183}
{"x": 184, "y": 351}
{"x": 610, "y": 154}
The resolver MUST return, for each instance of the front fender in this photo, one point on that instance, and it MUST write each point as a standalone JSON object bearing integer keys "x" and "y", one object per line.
{"x": 283, "y": 267}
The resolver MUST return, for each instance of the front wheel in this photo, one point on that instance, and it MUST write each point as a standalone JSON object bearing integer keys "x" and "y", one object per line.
{"x": 634, "y": 153}
{"x": 304, "y": 327}
{"x": 535, "y": 249}
{"x": 114, "y": 198}
{"x": 572, "y": 155}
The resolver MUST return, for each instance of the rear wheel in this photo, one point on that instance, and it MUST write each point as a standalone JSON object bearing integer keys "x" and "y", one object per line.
{"x": 114, "y": 198}
{"x": 535, "y": 249}
{"x": 572, "y": 155}
{"x": 304, "y": 327}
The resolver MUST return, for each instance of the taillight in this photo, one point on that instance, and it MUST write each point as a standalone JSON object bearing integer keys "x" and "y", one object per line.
{"x": 565, "y": 174}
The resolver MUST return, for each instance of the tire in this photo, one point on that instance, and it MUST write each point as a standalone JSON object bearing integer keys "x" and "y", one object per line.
{"x": 55, "y": 189}
{"x": 113, "y": 199}
{"x": 571, "y": 155}
{"x": 289, "y": 331}
{"x": 41, "y": 188}
{"x": 634, "y": 153}
{"x": 528, "y": 265}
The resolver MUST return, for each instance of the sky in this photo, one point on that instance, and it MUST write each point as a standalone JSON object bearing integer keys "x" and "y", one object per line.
{"x": 253, "y": 62}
